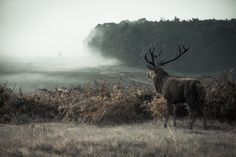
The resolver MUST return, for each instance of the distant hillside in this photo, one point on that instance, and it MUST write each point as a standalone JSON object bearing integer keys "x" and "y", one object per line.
{"x": 213, "y": 42}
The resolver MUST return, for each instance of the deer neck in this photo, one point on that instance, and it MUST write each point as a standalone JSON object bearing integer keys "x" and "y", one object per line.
{"x": 159, "y": 80}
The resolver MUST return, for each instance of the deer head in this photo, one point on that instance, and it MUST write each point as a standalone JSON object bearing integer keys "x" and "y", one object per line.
{"x": 155, "y": 63}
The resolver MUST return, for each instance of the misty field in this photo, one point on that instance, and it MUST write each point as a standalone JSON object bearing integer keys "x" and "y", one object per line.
{"x": 31, "y": 76}
{"x": 144, "y": 139}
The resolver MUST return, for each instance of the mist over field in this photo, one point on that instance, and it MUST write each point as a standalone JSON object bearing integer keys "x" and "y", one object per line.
{"x": 39, "y": 37}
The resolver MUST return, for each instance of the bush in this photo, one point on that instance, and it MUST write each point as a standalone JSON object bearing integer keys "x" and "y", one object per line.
{"x": 110, "y": 103}
{"x": 220, "y": 100}
{"x": 99, "y": 102}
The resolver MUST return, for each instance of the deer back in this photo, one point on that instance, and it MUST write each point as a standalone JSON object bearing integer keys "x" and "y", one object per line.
{"x": 180, "y": 90}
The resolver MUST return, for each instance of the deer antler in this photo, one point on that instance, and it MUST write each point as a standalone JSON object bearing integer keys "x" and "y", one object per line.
{"x": 182, "y": 50}
{"x": 153, "y": 56}
{"x": 151, "y": 51}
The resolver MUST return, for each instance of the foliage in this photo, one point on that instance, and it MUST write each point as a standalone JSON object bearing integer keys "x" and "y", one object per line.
{"x": 212, "y": 42}
{"x": 221, "y": 97}
{"x": 97, "y": 102}
{"x": 110, "y": 103}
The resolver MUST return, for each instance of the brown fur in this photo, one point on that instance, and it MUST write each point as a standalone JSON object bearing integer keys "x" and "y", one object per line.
{"x": 180, "y": 90}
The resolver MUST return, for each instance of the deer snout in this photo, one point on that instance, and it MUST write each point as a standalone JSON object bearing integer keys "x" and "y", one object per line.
{"x": 150, "y": 74}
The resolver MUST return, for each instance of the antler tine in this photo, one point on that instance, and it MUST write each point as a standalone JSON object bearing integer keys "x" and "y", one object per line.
{"x": 150, "y": 62}
{"x": 179, "y": 49}
{"x": 153, "y": 56}
{"x": 186, "y": 48}
{"x": 151, "y": 51}
{"x": 159, "y": 53}
{"x": 182, "y": 50}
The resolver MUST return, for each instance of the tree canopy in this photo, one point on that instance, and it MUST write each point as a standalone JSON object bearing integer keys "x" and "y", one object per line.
{"x": 213, "y": 42}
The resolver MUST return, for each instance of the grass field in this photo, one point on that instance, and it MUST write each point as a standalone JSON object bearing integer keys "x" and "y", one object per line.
{"x": 143, "y": 139}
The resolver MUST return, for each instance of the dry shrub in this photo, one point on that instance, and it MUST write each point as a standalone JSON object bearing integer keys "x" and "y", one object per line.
{"x": 93, "y": 102}
{"x": 8, "y": 102}
{"x": 220, "y": 99}
{"x": 158, "y": 107}
{"x": 111, "y": 103}
{"x": 18, "y": 108}
{"x": 102, "y": 102}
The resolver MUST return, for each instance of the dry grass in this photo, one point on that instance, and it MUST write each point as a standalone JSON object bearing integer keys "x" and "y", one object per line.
{"x": 147, "y": 139}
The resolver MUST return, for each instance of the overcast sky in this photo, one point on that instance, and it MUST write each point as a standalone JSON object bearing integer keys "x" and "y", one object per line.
{"x": 46, "y": 27}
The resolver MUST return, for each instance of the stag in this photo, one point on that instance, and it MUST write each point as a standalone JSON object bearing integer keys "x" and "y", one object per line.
{"x": 176, "y": 90}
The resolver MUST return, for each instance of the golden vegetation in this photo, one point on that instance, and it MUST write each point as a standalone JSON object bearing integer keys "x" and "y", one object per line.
{"x": 109, "y": 103}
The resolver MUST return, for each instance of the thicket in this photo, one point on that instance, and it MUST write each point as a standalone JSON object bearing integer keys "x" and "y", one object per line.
{"x": 109, "y": 103}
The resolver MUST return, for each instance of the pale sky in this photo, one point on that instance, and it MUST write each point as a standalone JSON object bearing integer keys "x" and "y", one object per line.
{"x": 46, "y": 27}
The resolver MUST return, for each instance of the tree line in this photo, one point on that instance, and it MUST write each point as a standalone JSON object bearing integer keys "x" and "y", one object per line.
{"x": 212, "y": 42}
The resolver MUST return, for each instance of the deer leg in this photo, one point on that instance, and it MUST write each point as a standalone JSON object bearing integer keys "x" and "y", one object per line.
{"x": 174, "y": 114}
{"x": 203, "y": 115}
{"x": 192, "y": 110}
{"x": 193, "y": 113}
{"x": 204, "y": 120}
{"x": 167, "y": 112}
{"x": 193, "y": 116}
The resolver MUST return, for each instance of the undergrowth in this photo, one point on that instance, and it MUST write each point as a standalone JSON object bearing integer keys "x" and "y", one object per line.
{"x": 109, "y": 103}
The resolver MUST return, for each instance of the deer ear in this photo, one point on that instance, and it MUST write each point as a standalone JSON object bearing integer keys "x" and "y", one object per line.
{"x": 151, "y": 67}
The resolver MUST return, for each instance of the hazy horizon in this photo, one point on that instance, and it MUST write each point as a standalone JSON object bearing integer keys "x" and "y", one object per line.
{"x": 50, "y": 27}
